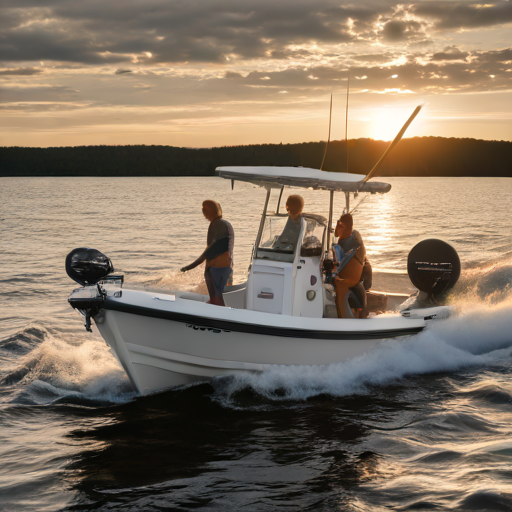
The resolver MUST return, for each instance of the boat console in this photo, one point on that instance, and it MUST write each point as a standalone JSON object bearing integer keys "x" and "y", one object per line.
{"x": 285, "y": 273}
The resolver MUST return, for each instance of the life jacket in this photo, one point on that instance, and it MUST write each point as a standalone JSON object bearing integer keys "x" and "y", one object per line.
{"x": 341, "y": 257}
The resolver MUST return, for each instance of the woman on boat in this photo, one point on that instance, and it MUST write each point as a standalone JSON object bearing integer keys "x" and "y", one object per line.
{"x": 290, "y": 235}
{"x": 350, "y": 258}
{"x": 218, "y": 253}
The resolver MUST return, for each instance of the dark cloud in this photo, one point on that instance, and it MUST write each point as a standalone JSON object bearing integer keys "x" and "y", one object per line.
{"x": 138, "y": 38}
{"x": 45, "y": 106}
{"x": 484, "y": 71}
{"x": 396, "y": 31}
{"x": 174, "y": 31}
{"x": 16, "y": 4}
{"x": 11, "y": 18}
{"x": 499, "y": 56}
{"x": 34, "y": 43}
{"x": 231, "y": 75}
{"x": 38, "y": 93}
{"x": 21, "y": 71}
{"x": 450, "y": 15}
{"x": 450, "y": 53}
{"x": 374, "y": 57}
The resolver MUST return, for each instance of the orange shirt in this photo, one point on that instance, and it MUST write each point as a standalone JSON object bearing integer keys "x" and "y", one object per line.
{"x": 223, "y": 260}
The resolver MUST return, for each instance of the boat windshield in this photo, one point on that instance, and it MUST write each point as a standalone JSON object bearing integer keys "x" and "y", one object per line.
{"x": 279, "y": 238}
{"x": 313, "y": 240}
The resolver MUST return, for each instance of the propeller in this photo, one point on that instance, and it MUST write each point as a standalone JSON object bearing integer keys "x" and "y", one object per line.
{"x": 393, "y": 144}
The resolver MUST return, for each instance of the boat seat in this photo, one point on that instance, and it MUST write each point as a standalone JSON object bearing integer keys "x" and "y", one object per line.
{"x": 193, "y": 296}
{"x": 235, "y": 287}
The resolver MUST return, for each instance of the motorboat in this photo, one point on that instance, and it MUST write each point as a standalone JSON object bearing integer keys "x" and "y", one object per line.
{"x": 284, "y": 314}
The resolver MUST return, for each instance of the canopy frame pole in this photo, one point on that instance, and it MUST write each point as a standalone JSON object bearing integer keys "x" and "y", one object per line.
{"x": 262, "y": 224}
{"x": 279, "y": 200}
{"x": 329, "y": 224}
{"x": 347, "y": 202}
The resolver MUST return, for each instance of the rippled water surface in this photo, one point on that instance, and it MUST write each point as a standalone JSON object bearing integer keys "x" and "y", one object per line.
{"x": 423, "y": 423}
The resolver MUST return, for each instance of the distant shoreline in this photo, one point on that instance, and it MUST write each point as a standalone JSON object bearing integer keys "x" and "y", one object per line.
{"x": 418, "y": 156}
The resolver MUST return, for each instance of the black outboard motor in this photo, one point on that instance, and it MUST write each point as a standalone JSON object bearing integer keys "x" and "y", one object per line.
{"x": 433, "y": 267}
{"x": 88, "y": 267}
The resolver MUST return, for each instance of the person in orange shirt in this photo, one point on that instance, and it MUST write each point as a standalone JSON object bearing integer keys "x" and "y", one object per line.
{"x": 350, "y": 256}
{"x": 218, "y": 253}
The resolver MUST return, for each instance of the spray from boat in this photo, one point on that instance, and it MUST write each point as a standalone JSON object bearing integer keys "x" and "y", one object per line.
{"x": 479, "y": 335}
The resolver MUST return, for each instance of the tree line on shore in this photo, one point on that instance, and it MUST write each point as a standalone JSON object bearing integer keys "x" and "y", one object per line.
{"x": 418, "y": 156}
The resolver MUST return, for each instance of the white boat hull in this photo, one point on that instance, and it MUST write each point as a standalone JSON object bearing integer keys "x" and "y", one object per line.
{"x": 163, "y": 343}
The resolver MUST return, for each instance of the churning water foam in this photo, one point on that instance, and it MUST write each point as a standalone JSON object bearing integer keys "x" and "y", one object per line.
{"x": 479, "y": 333}
{"x": 56, "y": 371}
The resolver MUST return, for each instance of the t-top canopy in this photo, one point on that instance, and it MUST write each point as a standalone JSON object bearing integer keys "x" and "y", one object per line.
{"x": 304, "y": 177}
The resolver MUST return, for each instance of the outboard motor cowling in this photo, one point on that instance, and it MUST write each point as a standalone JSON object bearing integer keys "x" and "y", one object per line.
{"x": 88, "y": 266}
{"x": 433, "y": 267}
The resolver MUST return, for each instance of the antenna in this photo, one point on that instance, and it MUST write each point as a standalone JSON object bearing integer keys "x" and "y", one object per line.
{"x": 346, "y": 118}
{"x": 329, "y": 137}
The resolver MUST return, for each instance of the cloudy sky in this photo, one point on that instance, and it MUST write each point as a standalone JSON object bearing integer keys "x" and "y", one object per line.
{"x": 203, "y": 73}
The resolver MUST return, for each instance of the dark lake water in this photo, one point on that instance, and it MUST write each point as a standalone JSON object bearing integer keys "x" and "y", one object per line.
{"x": 423, "y": 423}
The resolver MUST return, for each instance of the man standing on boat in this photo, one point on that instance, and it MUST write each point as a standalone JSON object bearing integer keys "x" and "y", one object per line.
{"x": 218, "y": 253}
{"x": 350, "y": 256}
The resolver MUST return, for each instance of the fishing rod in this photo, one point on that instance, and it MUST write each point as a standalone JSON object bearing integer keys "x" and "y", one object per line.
{"x": 329, "y": 137}
{"x": 346, "y": 119}
{"x": 393, "y": 144}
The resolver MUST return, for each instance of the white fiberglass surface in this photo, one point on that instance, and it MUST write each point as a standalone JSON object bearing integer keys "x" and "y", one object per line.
{"x": 294, "y": 172}
{"x": 262, "y": 317}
